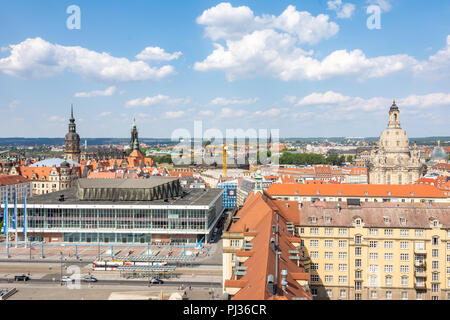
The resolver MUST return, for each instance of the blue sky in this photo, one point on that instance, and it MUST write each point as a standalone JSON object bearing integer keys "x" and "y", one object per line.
{"x": 308, "y": 68}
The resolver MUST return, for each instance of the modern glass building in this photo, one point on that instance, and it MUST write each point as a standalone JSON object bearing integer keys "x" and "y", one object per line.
{"x": 92, "y": 212}
{"x": 229, "y": 195}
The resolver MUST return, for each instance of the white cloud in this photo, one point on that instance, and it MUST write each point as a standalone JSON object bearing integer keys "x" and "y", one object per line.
{"x": 385, "y": 5}
{"x": 438, "y": 61}
{"x": 219, "y": 101}
{"x": 156, "y": 100}
{"x": 205, "y": 113}
{"x": 57, "y": 119}
{"x": 13, "y": 105}
{"x": 97, "y": 93}
{"x": 426, "y": 101}
{"x": 271, "y": 112}
{"x": 343, "y": 11}
{"x": 173, "y": 114}
{"x": 322, "y": 98}
{"x": 231, "y": 113}
{"x": 157, "y": 54}
{"x": 37, "y": 58}
{"x": 105, "y": 114}
{"x": 232, "y": 23}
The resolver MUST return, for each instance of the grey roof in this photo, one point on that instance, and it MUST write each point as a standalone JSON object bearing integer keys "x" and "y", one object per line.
{"x": 438, "y": 154}
{"x": 54, "y": 162}
{"x": 150, "y": 182}
{"x": 194, "y": 197}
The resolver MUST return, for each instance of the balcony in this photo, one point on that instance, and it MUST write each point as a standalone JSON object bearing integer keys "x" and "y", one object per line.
{"x": 420, "y": 263}
{"x": 420, "y": 285}
{"x": 420, "y": 251}
{"x": 420, "y": 274}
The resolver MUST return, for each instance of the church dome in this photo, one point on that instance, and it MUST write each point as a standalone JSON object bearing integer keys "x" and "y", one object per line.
{"x": 394, "y": 140}
{"x": 438, "y": 154}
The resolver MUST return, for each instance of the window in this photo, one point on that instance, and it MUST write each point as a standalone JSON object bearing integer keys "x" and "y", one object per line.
{"x": 435, "y": 253}
{"x": 314, "y": 278}
{"x": 374, "y": 280}
{"x": 373, "y": 256}
{"x": 404, "y": 295}
{"x": 235, "y": 243}
{"x": 405, "y": 281}
{"x": 404, "y": 232}
{"x": 358, "y": 285}
{"x": 388, "y": 294}
{"x": 358, "y": 263}
{"x": 329, "y": 293}
{"x": 328, "y": 243}
{"x": 342, "y": 255}
{"x": 357, "y": 239}
{"x": 435, "y": 241}
{"x": 302, "y": 230}
{"x": 404, "y": 245}
{"x": 388, "y": 281}
{"x": 342, "y": 267}
{"x": 435, "y": 287}
{"x": 328, "y": 278}
{"x": 388, "y": 244}
{"x": 328, "y": 231}
{"x": 373, "y": 294}
{"x": 435, "y": 276}
{"x": 404, "y": 257}
{"x": 313, "y": 219}
{"x": 342, "y": 243}
{"x": 419, "y": 233}
{"x": 388, "y": 256}
{"x": 435, "y": 265}
{"x": 328, "y": 255}
{"x": 404, "y": 269}
{"x": 314, "y": 231}
{"x": 342, "y": 293}
{"x": 328, "y": 267}
{"x": 314, "y": 266}
{"x": 314, "y": 254}
{"x": 358, "y": 274}
{"x": 358, "y": 296}
{"x": 342, "y": 279}
{"x": 373, "y": 268}
{"x": 342, "y": 231}
{"x": 388, "y": 232}
{"x": 373, "y": 232}
{"x": 373, "y": 244}
{"x": 419, "y": 296}
{"x": 358, "y": 251}
{"x": 314, "y": 243}
{"x": 358, "y": 222}
{"x": 388, "y": 268}
{"x": 314, "y": 291}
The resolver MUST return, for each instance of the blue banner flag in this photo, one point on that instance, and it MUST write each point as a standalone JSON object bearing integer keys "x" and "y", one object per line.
{"x": 5, "y": 214}
{"x": 15, "y": 210}
{"x": 25, "y": 214}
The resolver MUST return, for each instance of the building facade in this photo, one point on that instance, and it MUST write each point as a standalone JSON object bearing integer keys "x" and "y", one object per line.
{"x": 392, "y": 162}
{"x": 376, "y": 252}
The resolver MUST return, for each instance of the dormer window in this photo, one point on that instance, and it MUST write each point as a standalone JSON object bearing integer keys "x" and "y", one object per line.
{"x": 403, "y": 220}
{"x": 313, "y": 219}
{"x": 386, "y": 220}
{"x": 358, "y": 222}
{"x": 389, "y": 193}
{"x": 366, "y": 192}
{"x": 435, "y": 223}
{"x": 318, "y": 192}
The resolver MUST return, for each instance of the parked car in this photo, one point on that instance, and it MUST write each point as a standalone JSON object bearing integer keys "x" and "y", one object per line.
{"x": 156, "y": 281}
{"x": 66, "y": 279}
{"x": 22, "y": 277}
{"x": 89, "y": 279}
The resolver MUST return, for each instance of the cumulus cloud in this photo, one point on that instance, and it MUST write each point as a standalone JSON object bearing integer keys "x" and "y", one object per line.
{"x": 37, "y": 58}
{"x": 343, "y": 10}
{"x": 231, "y": 23}
{"x": 57, "y": 119}
{"x": 322, "y": 98}
{"x": 230, "y": 113}
{"x": 271, "y": 112}
{"x": 156, "y": 100}
{"x": 219, "y": 101}
{"x": 105, "y": 114}
{"x": 157, "y": 54}
{"x": 97, "y": 93}
{"x": 205, "y": 113}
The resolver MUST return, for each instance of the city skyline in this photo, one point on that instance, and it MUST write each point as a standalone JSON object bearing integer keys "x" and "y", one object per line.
{"x": 310, "y": 69}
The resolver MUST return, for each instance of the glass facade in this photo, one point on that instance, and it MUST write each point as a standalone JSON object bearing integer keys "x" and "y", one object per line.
{"x": 229, "y": 195}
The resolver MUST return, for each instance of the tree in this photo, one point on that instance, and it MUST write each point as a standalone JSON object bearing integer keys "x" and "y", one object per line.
{"x": 349, "y": 158}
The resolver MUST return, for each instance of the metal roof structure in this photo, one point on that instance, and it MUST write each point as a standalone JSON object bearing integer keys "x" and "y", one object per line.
{"x": 54, "y": 162}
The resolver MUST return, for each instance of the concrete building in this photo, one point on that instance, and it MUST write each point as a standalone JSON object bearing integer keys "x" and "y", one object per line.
{"x": 9, "y": 183}
{"x": 154, "y": 210}
{"x": 376, "y": 251}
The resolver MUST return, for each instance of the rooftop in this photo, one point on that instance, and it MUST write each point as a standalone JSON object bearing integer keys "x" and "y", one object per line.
{"x": 6, "y": 180}
{"x": 54, "y": 162}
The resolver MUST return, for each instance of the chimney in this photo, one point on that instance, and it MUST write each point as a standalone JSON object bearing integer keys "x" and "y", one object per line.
{"x": 270, "y": 284}
{"x": 284, "y": 283}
